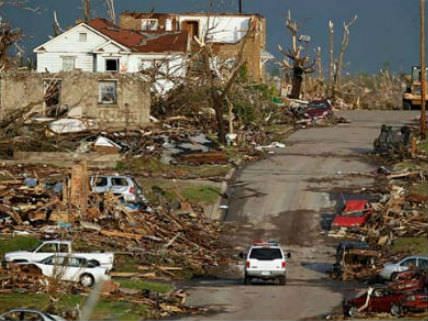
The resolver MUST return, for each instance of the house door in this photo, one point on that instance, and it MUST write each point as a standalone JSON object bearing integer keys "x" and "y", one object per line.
{"x": 192, "y": 27}
{"x": 52, "y": 97}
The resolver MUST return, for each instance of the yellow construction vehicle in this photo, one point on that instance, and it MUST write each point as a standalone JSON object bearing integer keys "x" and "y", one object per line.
{"x": 412, "y": 96}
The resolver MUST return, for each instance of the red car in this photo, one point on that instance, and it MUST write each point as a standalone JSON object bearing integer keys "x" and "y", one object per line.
{"x": 409, "y": 281}
{"x": 381, "y": 300}
{"x": 355, "y": 213}
{"x": 416, "y": 302}
{"x": 318, "y": 109}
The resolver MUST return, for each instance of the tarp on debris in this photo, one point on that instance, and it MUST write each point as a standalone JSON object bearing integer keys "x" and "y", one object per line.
{"x": 67, "y": 125}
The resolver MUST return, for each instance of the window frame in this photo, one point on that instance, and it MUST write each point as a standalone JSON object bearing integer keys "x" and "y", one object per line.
{"x": 100, "y": 93}
{"x": 146, "y": 26}
{"x": 64, "y": 68}
{"x": 106, "y": 60}
{"x": 83, "y": 36}
{"x": 115, "y": 180}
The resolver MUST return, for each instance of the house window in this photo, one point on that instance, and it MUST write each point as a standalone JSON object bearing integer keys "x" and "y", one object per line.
{"x": 83, "y": 37}
{"x": 149, "y": 24}
{"x": 68, "y": 63}
{"x": 108, "y": 92}
{"x": 168, "y": 25}
{"x": 112, "y": 64}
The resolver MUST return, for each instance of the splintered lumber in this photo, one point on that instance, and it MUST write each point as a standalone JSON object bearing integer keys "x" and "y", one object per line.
{"x": 130, "y": 236}
{"x": 80, "y": 186}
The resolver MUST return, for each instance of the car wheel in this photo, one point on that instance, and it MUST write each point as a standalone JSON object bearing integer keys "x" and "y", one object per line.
{"x": 87, "y": 280}
{"x": 282, "y": 280}
{"x": 352, "y": 312}
{"x": 407, "y": 105}
{"x": 396, "y": 310}
{"x": 394, "y": 276}
{"x": 247, "y": 280}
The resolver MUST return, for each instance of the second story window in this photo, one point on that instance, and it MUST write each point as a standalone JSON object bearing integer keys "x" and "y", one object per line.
{"x": 149, "y": 24}
{"x": 83, "y": 37}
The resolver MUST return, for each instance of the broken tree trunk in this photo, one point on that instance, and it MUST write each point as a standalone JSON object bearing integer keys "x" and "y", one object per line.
{"x": 79, "y": 192}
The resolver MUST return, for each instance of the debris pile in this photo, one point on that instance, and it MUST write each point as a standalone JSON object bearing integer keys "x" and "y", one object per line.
{"x": 382, "y": 226}
{"x": 161, "y": 243}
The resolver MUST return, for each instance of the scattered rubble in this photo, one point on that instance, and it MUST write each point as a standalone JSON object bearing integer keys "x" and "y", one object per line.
{"x": 370, "y": 227}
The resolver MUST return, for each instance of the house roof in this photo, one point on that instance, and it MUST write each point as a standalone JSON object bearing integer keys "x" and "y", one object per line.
{"x": 157, "y": 42}
{"x": 140, "y": 15}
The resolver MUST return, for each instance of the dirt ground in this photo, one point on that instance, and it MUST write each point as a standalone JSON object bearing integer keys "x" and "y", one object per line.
{"x": 287, "y": 197}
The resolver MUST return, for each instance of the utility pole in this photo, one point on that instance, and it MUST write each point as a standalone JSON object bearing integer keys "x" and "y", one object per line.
{"x": 240, "y": 6}
{"x": 423, "y": 69}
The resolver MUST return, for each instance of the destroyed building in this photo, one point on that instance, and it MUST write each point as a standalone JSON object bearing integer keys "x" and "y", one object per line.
{"x": 155, "y": 41}
{"x": 224, "y": 31}
{"x": 113, "y": 100}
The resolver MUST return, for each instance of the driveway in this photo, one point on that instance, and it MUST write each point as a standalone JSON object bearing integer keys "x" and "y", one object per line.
{"x": 287, "y": 197}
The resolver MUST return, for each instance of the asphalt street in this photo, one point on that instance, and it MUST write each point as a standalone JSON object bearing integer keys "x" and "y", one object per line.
{"x": 286, "y": 197}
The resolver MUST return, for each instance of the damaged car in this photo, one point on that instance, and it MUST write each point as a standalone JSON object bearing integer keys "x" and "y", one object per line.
{"x": 409, "y": 281}
{"x": 415, "y": 303}
{"x": 373, "y": 300}
{"x": 354, "y": 214}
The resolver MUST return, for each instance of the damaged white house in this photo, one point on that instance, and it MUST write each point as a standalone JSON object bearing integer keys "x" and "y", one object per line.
{"x": 158, "y": 41}
{"x": 100, "y": 46}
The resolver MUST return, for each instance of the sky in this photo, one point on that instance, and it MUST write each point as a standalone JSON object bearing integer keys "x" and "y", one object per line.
{"x": 386, "y": 32}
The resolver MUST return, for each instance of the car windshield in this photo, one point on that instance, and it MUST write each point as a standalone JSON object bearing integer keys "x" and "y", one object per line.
{"x": 318, "y": 105}
{"x": 266, "y": 254}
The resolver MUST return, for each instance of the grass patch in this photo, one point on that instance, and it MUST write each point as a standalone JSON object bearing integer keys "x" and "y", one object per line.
{"x": 139, "y": 284}
{"x": 423, "y": 146}
{"x": 126, "y": 263}
{"x": 17, "y": 243}
{"x": 201, "y": 194}
{"x": 411, "y": 245}
{"x": 104, "y": 310}
{"x": 37, "y": 301}
{"x": 154, "y": 167}
{"x": 420, "y": 189}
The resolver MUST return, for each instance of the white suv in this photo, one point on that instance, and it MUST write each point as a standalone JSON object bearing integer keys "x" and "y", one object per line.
{"x": 125, "y": 186}
{"x": 266, "y": 261}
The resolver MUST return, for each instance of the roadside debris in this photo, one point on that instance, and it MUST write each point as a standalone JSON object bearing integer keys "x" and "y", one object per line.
{"x": 371, "y": 226}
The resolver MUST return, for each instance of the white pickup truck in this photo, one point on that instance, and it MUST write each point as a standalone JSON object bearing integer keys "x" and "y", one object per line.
{"x": 48, "y": 248}
{"x": 266, "y": 261}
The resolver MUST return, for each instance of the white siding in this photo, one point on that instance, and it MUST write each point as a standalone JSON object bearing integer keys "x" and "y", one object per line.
{"x": 223, "y": 29}
{"x": 174, "y": 66}
{"x": 69, "y": 41}
{"x": 52, "y": 62}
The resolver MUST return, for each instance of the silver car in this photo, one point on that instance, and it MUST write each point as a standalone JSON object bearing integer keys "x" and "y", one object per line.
{"x": 28, "y": 314}
{"x": 391, "y": 269}
{"x": 125, "y": 186}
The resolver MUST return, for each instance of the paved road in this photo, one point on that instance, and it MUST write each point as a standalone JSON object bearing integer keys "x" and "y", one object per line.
{"x": 286, "y": 197}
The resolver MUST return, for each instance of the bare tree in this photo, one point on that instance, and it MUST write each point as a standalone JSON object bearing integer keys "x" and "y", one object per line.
{"x": 111, "y": 11}
{"x": 86, "y": 4}
{"x": 220, "y": 81}
{"x": 57, "y": 29}
{"x": 9, "y": 36}
{"x": 319, "y": 64}
{"x": 295, "y": 59}
{"x": 331, "y": 67}
{"x": 343, "y": 48}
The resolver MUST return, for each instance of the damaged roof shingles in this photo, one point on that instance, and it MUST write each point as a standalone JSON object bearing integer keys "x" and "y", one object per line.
{"x": 140, "y": 42}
